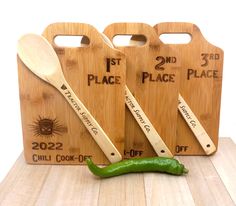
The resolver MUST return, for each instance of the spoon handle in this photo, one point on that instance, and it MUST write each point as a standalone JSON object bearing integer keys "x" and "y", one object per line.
{"x": 196, "y": 127}
{"x": 152, "y": 135}
{"x": 90, "y": 123}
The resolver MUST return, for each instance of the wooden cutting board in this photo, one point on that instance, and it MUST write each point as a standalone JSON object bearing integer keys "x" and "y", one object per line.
{"x": 152, "y": 83}
{"x": 200, "y": 84}
{"x": 210, "y": 181}
{"x": 53, "y": 134}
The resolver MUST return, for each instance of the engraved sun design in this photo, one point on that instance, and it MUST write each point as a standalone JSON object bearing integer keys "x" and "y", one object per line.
{"x": 47, "y": 127}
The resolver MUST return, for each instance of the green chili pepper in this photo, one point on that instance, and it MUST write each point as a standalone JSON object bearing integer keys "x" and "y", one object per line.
{"x": 151, "y": 164}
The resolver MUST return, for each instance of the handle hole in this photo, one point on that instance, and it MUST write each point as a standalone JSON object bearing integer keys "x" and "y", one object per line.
{"x": 112, "y": 154}
{"x": 208, "y": 145}
{"x": 162, "y": 151}
{"x": 176, "y": 38}
{"x": 129, "y": 40}
{"x": 72, "y": 41}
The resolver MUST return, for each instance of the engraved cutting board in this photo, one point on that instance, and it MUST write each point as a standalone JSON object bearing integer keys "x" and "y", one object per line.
{"x": 200, "y": 84}
{"x": 154, "y": 86}
{"x": 52, "y": 132}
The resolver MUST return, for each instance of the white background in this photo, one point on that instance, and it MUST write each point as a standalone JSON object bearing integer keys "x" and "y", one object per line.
{"x": 216, "y": 20}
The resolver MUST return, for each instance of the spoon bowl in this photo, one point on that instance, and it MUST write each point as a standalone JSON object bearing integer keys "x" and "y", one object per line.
{"x": 38, "y": 55}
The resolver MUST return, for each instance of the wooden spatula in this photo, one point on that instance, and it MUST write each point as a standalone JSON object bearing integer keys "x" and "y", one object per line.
{"x": 196, "y": 127}
{"x": 148, "y": 129}
{"x": 39, "y": 56}
{"x": 145, "y": 124}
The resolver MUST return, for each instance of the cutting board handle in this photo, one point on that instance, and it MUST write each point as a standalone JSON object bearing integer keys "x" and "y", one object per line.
{"x": 73, "y": 29}
{"x": 179, "y": 27}
{"x": 133, "y": 29}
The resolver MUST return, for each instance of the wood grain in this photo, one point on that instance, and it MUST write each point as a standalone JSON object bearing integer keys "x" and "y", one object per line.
{"x": 120, "y": 191}
{"x": 203, "y": 94}
{"x": 158, "y": 99}
{"x": 158, "y": 192}
{"x": 42, "y": 107}
{"x": 225, "y": 165}
{"x": 12, "y": 191}
{"x": 211, "y": 180}
{"x": 204, "y": 182}
{"x": 83, "y": 189}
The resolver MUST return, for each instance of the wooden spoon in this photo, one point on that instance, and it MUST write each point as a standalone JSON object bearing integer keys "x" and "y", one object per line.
{"x": 39, "y": 56}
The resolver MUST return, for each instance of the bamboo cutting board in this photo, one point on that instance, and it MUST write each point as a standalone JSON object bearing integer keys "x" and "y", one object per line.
{"x": 154, "y": 86}
{"x": 200, "y": 84}
{"x": 53, "y": 134}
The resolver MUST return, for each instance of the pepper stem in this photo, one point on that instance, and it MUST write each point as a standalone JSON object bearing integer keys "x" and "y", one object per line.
{"x": 185, "y": 171}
